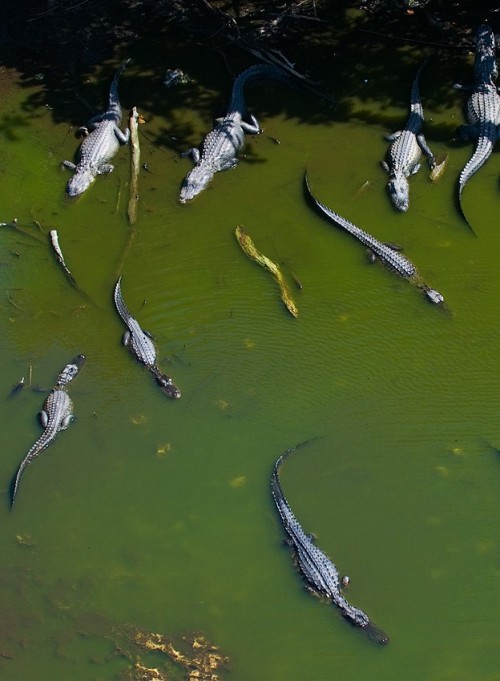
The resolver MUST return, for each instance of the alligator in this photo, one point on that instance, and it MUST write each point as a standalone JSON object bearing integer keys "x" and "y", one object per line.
{"x": 406, "y": 150}
{"x": 55, "y": 416}
{"x": 142, "y": 346}
{"x": 482, "y": 109}
{"x": 102, "y": 140}
{"x": 389, "y": 254}
{"x": 319, "y": 572}
{"x": 222, "y": 144}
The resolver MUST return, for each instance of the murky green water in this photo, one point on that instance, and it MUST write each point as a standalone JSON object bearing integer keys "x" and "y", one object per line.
{"x": 157, "y": 514}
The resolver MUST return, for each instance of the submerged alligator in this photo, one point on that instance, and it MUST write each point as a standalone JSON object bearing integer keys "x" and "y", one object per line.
{"x": 387, "y": 253}
{"x": 102, "y": 141}
{"x": 141, "y": 345}
{"x": 56, "y": 415}
{"x": 406, "y": 150}
{"x": 482, "y": 109}
{"x": 318, "y": 570}
{"x": 222, "y": 144}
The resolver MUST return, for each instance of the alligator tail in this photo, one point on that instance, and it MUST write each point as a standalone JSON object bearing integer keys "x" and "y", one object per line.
{"x": 253, "y": 73}
{"x": 482, "y": 152}
{"x": 119, "y": 302}
{"x": 114, "y": 101}
{"x": 40, "y": 445}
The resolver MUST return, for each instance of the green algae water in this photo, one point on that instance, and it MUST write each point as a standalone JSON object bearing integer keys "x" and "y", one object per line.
{"x": 156, "y": 514}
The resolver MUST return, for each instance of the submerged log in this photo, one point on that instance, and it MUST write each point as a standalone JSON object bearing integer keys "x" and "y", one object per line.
{"x": 248, "y": 247}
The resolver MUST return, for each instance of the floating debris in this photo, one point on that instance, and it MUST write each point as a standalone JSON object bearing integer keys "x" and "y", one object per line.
{"x": 439, "y": 169}
{"x": 175, "y": 77}
{"x": 248, "y": 247}
{"x": 54, "y": 240}
{"x": 200, "y": 661}
{"x": 163, "y": 450}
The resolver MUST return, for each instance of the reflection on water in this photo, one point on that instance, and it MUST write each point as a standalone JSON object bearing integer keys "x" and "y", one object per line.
{"x": 158, "y": 513}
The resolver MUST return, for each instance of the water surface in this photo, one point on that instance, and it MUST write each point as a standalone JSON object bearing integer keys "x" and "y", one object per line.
{"x": 157, "y": 514}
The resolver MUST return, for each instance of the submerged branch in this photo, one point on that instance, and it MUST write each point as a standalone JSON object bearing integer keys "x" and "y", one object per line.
{"x": 248, "y": 247}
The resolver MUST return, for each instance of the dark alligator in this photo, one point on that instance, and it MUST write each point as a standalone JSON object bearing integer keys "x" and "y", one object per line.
{"x": 390, "y": 256}
{"x": 56, "y": 415}
{"x": 406, "y": 150}
{"x": 318, "y": 570}
{"x": 100, "y": 144}
{"x": 142, "y": 346}
{"x": 221, "y": 145}
{"x": 482, "y": 109}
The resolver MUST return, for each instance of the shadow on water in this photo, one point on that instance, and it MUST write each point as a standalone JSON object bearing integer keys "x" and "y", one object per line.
{"x": 324, "y": 48}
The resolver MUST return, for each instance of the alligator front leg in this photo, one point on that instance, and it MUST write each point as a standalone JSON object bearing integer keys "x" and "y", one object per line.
{"x": 69, "y": 164}
{"x": 105, "y": 169}
{"x": 194, "y": 153}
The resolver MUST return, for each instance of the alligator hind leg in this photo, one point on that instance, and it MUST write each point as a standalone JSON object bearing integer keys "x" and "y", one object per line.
{"x": 122, "y": 137}
{"x": 467, "y": 132}
{"x": 394, "y": 136}
{"x": 425, "y": 148}
{"x": 252, "y": 128}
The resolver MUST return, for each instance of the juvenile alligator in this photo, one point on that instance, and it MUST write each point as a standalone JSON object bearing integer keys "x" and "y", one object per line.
{"x": 100, "y": 144}
{"x": 318, "y": 570}
{"x": 222, "y": 144}
{"x": 406, "y": 150}
{"x": 482, "y": 109}
{"x": 55, "y": 416}
{"x": 387, "y": 253}
{"x": 141, "y": 345}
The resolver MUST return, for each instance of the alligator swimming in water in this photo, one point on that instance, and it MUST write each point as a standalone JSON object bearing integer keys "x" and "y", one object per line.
{"x": 318, "y": 570}
{"x": 102, "y": 141}
{"x": 222, "y": 144}
{"x": 142, "y": 346}
{"x": 482, "y": 109}
{"x": 406, "y": 150}
{"x": 388, "y": 254}
{"x": 56, "y": 415}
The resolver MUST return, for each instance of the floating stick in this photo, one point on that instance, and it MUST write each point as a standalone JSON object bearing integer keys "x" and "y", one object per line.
{"x": 134, "y": 167}
{"x": 248, "y": 247}
{"x": 54, "y": 240}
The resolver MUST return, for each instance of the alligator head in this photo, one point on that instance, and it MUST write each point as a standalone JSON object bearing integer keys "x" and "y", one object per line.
{"x": 195, "y": 182}
{"x": 79, "y": 182}
{"x": 399, "y": 191}
{"x": 70, "y": 370}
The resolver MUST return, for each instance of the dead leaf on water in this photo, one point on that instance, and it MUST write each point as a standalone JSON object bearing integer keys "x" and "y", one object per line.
{"x": 238, "y": 482}
{"x": 163, "y": 450}
{"x": 222, "y": 404}
{"x": 249, "y": 344}
{"x": 139, "y": 419}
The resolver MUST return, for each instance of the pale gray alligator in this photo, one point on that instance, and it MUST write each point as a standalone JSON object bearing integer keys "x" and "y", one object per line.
{"x": 318, "y": 570}
{"x": 222, "y": 144}
{"x": 390, "y": 256}
{"x": 142, "y": 346}
{"x": 406, "y": 150}
{"x": 482, "y": 109}
{"x": 102, "y": 141}
{"x": 55, "y": 416}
